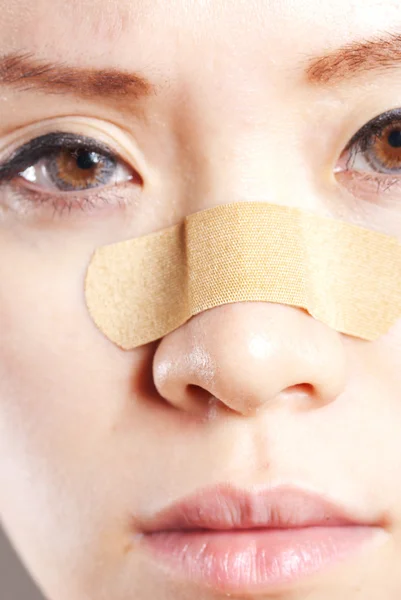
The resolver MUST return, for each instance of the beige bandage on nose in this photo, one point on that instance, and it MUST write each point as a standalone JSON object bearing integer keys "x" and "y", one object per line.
{"x": 139, "y": 290}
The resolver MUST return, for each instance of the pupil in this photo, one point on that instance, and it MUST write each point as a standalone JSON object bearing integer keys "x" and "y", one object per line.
{"x": 394, "y": 138}
{"x": 86, "y": 159}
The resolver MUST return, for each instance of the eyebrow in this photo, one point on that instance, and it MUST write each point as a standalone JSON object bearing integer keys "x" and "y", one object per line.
{"x": 357, "y": 58}
{"x": 25, "y": 72}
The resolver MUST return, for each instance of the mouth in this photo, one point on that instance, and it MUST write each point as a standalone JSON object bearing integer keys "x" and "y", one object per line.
{"x": 238, "y": 542}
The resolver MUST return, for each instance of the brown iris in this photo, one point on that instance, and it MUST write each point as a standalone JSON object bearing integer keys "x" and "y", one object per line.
{"x": 78, "y": 169}
{"x": 385, "y": 149}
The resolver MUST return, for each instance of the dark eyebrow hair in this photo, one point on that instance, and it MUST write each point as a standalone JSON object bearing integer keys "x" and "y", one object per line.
{"x": 25, "y": 72}
{"x": 380, "y": 53}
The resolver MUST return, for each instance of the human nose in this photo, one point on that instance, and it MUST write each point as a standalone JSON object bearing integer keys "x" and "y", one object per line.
{"x": 247, "y": 355}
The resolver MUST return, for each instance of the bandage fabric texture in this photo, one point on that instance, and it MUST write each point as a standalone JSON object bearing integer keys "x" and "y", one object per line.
{"x": 139, "y": 290}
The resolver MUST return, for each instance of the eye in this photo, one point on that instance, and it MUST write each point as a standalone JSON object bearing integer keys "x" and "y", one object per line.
{"x": 376, "y": 148}
{"x": 75, "y": 170}
{"x": 369, "y": 167}
{"x": 64, "y": 162}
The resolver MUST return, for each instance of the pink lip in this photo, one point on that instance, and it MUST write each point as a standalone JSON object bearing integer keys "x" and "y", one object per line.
{"x": 239, "y": 542}
{"x": 225, "y": 507}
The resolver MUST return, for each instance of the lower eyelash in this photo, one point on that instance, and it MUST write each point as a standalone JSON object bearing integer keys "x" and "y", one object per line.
{"x": 29, "y": 200}
{"x": 380, "y": 186}
{"x": 384, "y": 186}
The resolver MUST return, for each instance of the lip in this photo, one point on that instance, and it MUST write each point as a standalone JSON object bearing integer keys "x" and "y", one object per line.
{"x": 225, "y": 507}
{"x": 236, "y": 541}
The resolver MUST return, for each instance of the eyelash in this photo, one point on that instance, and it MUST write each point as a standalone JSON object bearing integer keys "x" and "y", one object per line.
{"x": 371, "y": 131}
{"x": 47, "y": 146}
{"x": 363, "y": 138}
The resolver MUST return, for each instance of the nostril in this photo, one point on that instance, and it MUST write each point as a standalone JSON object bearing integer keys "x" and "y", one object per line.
{"x": 202, "y": 400}
{"x": 301, "y": 395}
{"x": 207, "y": 403}
{"x": 198, "y": 393}
{"x": 306, "y": 389}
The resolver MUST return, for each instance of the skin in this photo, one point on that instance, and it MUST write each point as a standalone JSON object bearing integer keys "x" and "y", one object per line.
{"x": 280, "y": 397}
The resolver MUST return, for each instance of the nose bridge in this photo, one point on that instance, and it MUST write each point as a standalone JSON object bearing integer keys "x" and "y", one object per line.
{"x": 245, "y": 145}
{"x": 248, "y": 354}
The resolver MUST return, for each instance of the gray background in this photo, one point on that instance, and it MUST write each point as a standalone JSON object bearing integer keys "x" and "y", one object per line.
{"x": 15, "y": 583}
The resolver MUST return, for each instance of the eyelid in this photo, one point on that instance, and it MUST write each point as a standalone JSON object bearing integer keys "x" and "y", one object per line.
{"x": 29, "y": 200}
{"x": 111, "y": 138}
{"x": 366, "y": 133}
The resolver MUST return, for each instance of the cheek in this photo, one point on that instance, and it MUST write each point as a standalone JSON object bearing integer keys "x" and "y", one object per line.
{"x": 63, "y": 387}
{"x": 42, "y": 318}
{"x": 58, "y": 375}
{"x": 389, "y": 354}
{"x": 38, "y": 323}
{"x": 375, "y": 392}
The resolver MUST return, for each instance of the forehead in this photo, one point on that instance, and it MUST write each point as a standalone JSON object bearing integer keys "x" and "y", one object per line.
{"x": 153, "y": 33}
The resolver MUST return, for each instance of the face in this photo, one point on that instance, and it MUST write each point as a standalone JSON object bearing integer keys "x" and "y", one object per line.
{"x": 230, "y": 101}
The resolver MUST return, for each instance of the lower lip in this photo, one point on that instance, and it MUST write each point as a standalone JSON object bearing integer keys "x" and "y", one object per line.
{"x": 253, "y": 560}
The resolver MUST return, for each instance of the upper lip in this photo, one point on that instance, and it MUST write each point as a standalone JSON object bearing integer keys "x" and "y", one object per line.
{"x": 225, "y": 507}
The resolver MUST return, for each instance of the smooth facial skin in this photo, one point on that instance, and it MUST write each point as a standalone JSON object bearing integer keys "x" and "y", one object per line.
{"x": 92, "y": 437}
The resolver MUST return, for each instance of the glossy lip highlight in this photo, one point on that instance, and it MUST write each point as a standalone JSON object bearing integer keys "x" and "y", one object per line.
{"x": 240, "y": 542}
